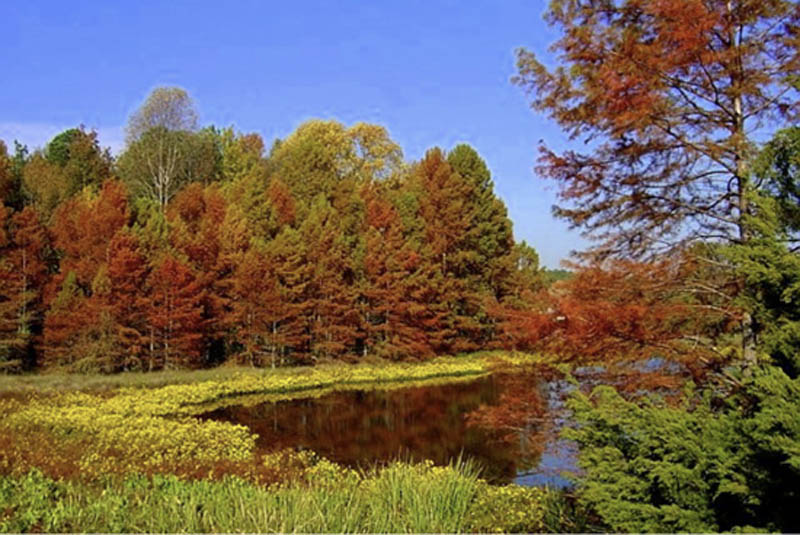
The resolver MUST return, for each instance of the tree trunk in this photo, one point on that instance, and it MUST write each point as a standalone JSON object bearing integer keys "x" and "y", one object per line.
{"x": 739, "y": 136}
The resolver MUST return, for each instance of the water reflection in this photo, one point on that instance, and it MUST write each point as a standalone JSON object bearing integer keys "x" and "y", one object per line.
{"x": 504, "y": 422}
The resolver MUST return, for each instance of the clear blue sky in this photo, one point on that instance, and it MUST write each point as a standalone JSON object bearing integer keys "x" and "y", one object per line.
{"x": 433, "y": 73}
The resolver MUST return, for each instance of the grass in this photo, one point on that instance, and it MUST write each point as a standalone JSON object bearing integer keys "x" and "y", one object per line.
{"x": 57, "y": 381}
{"x": 400, "y": 498}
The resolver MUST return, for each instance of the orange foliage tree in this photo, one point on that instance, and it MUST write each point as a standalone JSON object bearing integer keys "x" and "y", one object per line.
{"x": 333, "y": 319}
{"x": 259, "y": 308}
{"x": 23, "y": 273}
{"x": 391, "y": 328}
{"x": 670, "y": 93}
{"x": 174, "y": 315}
{"x": 82, "y": 228}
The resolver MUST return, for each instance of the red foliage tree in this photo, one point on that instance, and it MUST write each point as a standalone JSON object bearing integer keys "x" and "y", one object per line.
{"x": 210, "y": 235}
{"x": 82, "y": 228}
{"x": 282, "y": 202}
{"x": 260, "y": 309}
{"x": 174, "y": 315}
{"x": 23, "y": 273}
{"x": 623, "y": 310}
{"x": 671, "y": 94}
{"x": 446, "y": 306}
{"x": 69, "y": 337}
{"x": 387, "y": 264}
{"x": 128, "y": 271}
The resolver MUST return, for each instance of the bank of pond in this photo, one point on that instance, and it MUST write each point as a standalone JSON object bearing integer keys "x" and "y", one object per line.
{"x": 455, "y": 444}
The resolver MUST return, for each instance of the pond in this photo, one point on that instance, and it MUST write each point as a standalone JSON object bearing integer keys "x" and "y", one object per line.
{"x": 506, "y": 422}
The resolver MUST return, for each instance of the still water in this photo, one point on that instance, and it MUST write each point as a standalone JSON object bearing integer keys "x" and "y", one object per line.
{"x": 507, "y": 423}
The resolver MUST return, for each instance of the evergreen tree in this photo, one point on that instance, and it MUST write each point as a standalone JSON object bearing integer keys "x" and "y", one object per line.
{"x": 489, "y": 234}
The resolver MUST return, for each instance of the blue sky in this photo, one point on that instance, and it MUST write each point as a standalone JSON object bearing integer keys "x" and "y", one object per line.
{"x": 434, "y": 73}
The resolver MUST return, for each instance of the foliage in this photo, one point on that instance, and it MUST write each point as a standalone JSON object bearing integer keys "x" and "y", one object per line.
{"x": 769, "y": 263}
{"x": 23, "y": 271}
{"x": 556, "y": 275}
{"x": 11, "y": 175}
{"x": 695, "y": 466}
{"x": 170, "y": 108}
{"x": 160, "y": 162}
{"x": 667, "y": 93}
{"x": 320, "y": 154}
{"x": 509, "y": 509}
{"x": 71, "y": 162}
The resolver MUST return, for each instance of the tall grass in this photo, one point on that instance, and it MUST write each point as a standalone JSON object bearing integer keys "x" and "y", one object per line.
{"x": 399, "y": 498}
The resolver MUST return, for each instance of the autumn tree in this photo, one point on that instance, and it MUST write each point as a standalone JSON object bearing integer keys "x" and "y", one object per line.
{"x": 68, "y": 338}
{"x": 211, "y": 235}
{"x": 333, "y": 318}
{"x": 443, "y": 276}
{"x": 392, "y": 316}
{"x": 10, "y": 185}
{"x": 669, "y": 96}
{"x": 80, "y": 157}
{"x": 174, "y": 316}
{"x": 23, "y": 273}
{"x": 294, "y": 274}
{"x": 71, "y": 161}
{"x": 260, "y": 308}
{"x": 242, "y": 155}
{"x": 83, "y": 226}
{"x": 126, "y": 301}
{"x": 319, "y": 154}
{"x": 170, "y": 108}
{"x": 44, "y": 183}
{"x": 80, "y": 328}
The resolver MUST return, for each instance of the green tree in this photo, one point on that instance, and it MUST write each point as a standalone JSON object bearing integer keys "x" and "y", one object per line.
{"x": 728, "y": 456}
{"x": 489, "y": 235}
{"x": 163, "y": 150}
{"x": 242, "y": 156}
{"x": 319, "y": 154}
{"x": 71, "y": 161}
{"x": 769, "y": 262}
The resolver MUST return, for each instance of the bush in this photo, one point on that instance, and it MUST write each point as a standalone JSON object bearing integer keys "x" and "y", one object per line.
{"x": 707, "y": 464}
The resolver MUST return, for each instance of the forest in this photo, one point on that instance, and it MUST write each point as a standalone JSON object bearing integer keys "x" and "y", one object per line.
{"x": 328, "y": 263}
{"x": 195, "y": 246}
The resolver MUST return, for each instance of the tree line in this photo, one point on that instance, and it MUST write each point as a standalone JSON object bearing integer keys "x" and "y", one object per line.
{"x": 195, "y": 246}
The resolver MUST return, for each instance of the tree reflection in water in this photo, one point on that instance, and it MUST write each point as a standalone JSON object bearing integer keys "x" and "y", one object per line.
{"x": 502, "y": 421}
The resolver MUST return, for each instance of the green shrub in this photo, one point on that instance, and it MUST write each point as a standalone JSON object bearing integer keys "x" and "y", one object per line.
{"x": 705, "y": 465}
